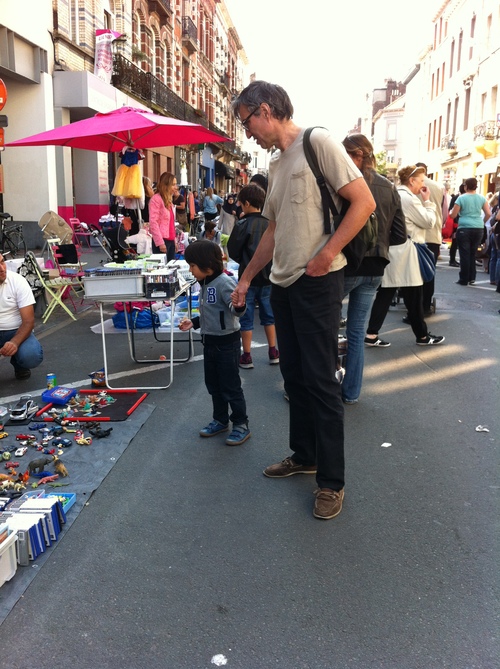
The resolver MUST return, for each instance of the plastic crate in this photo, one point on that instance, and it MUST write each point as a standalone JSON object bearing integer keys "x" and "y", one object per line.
{"x": 114, "y": 286}
{"x": 8, "y": 560}
{"x": 67, "y": 499}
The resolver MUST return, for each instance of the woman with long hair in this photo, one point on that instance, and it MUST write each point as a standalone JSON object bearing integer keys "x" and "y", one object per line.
{"x": 162, "y": 216}
{"x": 470, "y": 206}
{"x": 210, "y": 202}
{"x": 362, "y": 287}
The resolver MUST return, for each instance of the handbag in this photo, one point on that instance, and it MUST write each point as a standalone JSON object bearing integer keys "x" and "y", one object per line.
{"x": 426, "y": 262}
{"x": 137, "y": 319}
{"x": 366, "y": 239}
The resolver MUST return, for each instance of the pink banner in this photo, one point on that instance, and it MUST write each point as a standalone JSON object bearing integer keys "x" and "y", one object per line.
{"x": 103, "y": 67}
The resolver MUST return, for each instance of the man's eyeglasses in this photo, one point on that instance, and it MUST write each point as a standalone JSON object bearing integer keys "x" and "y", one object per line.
{"x": 244, "y": 121}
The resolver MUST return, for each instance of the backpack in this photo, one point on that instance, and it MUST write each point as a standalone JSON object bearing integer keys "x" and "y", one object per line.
{"x": 366, "y": 239}
{"x": 27, "y": 269}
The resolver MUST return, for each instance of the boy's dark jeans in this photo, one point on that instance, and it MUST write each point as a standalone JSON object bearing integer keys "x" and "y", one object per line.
{"x": 222, "y": 379}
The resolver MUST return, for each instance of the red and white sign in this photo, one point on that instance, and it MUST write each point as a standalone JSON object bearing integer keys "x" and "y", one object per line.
{"x": 103, "y": 66}
{"x": 3, "y": 94}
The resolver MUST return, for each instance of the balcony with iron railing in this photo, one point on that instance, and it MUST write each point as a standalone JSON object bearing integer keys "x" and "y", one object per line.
{"x": 189, "y": 35}
{"x": 449, "y": 143}
{"x": 146, "y": 87}
{"x": 161, "y": 7}
{"x": 486, "y": 130}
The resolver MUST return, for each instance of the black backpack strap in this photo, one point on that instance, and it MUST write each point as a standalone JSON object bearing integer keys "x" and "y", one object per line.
{"x": 326, "y": 197}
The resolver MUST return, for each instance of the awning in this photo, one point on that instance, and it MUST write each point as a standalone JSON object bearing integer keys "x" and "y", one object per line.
{"x": 488, "y": 166}
{"x": 223, "y": 170}
{"x": 220, "y": 169}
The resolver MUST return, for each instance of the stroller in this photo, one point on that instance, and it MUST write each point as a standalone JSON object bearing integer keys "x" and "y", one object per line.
{"x": 115, "y": 236}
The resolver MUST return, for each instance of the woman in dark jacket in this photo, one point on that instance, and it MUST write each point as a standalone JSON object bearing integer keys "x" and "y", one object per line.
{"x": 362, "y": 287}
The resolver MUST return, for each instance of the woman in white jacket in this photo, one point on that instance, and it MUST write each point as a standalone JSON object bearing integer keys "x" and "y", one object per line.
{"x": 403, "y": 270}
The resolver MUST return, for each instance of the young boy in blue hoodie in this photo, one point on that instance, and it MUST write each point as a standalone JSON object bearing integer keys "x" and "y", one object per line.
{"x": 220, "y": 330}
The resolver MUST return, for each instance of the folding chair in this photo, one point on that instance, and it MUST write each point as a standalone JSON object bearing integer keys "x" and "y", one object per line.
{"x": 52, "y": 225}
{"x": 54, "y": 287}
{"x": 80, "y": 230}
{"x": 67, "y": 262}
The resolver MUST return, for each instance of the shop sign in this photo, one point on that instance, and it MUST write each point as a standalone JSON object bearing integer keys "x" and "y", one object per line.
{"x": 3, "y": 94}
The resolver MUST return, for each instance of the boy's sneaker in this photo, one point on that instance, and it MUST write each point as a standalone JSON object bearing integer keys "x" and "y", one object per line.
{"x": 246, "y": 361}
{"x": 288, "y": 467}
{"x": 213, "y": 428}
{"x": 239, "y": 435}
{"x": 430, "y": 340}
{"x": 274, "y": 355}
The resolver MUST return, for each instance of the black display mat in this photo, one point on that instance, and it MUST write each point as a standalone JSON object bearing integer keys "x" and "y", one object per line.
{"x": 126, "y": 403}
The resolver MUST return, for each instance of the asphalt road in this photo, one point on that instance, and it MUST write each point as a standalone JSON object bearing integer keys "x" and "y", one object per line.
{"x": 187, "y": 557}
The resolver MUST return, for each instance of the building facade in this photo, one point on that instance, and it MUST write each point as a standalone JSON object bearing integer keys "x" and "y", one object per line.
{"x": 452, "y": 111}
{"x": 178, "y": 58}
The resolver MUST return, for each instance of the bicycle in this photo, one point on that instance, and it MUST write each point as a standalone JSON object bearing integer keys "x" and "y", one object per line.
{"x": 11, "y": 237}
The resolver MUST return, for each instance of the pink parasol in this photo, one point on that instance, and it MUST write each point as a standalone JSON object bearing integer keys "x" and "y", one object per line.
{"x": 123, "y": 127}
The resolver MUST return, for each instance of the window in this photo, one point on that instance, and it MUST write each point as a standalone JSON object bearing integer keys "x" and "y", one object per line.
{"x": 489, "y": 22}
{"x": 434, "y": 134}
{"x": 448, "y": 116}
{"x": 432, "y": 86}
{"x": 459, "y": 55}
{"x": 437, "y": 82}
{"x": 494, "y": 95}
{"x": 452, "y": 54}
{"x": 440, "y": 124}
{"x": 472, "y": 31}
{"x": 391, "y": 131}
{"x": 429, "y": 137}
{"x": 443, "y": 70}
{"x": 466, "y": 109}
{"x": 483, "y": 106}
{"x": 455, "y": 117}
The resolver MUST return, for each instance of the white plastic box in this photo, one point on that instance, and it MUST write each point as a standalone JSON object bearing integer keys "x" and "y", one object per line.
{"x": 8, "y": 560}
{"x": 111, "y": 286}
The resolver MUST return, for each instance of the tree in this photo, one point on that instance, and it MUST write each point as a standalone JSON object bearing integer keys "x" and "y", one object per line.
{"x": 381, "y": 162}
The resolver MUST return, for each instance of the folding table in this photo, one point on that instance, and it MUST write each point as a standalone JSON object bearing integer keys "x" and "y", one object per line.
{"x": 101, "y": 300}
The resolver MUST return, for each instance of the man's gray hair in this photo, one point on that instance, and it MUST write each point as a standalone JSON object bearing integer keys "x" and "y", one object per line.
{"x": 258, "y": 92}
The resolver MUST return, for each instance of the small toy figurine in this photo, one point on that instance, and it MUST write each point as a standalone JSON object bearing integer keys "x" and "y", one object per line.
{"x": 36, "y": 466}
{"x": 48, "y": 479}
{"x": 60, "y": 468}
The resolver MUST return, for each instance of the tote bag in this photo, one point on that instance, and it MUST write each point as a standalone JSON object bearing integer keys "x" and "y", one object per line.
{"x": 426, "y": 262}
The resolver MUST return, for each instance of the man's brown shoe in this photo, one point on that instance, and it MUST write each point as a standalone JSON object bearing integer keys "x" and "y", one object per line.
{"x": 288, "y": 467}
{"x": 328, "y": 503}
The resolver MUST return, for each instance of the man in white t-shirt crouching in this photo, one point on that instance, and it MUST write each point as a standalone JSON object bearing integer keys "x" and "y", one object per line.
{"x": 17, "y": 320}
